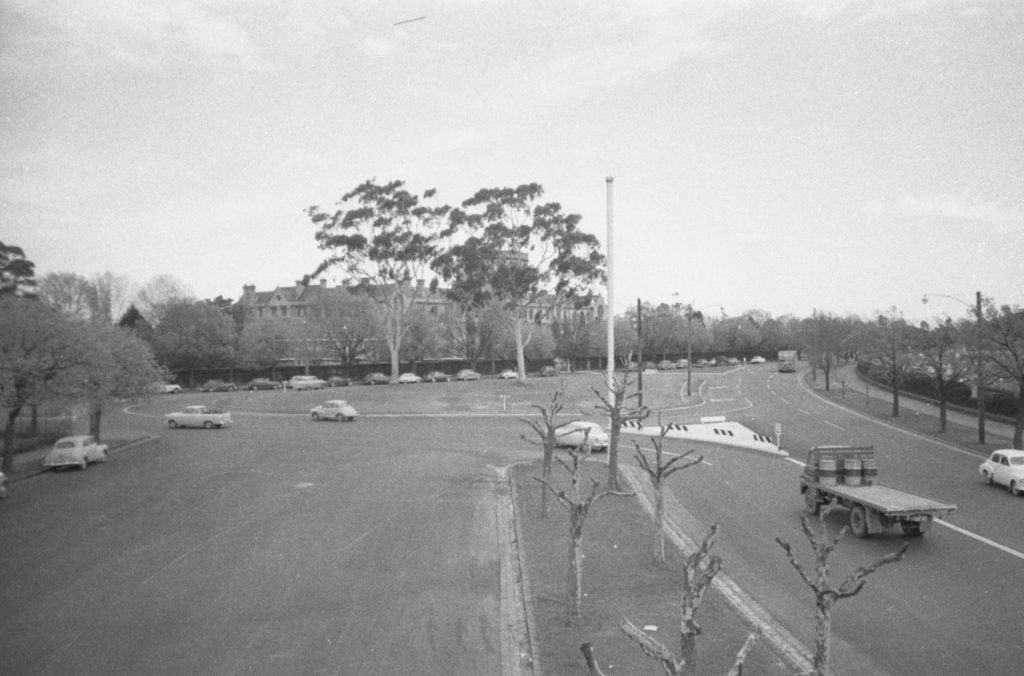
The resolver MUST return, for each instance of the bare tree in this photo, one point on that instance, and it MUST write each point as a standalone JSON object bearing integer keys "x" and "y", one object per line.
{"x": 546, "y": 431}
{"x": 620, "y": 408}
{"x": 658, "y": 472}
{"x": 826, "y": 595}
{"x": 578, "y": 506}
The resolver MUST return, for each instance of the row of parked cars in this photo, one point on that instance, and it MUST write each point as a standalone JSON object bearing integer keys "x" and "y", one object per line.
{"x": 300, "y": 383}
{"x": 669, "y": 365}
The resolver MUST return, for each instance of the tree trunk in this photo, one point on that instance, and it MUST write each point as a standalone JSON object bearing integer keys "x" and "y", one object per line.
{"x": 8, "y": 459}
{"x": 895, "y": 401}
{"x": 659, "y": 523}
{"x": 545, "y": 473}
{"x": 95, "y": 418}
{"x": 517, "y": 329}
{"x": 822, "y": 639}
{"x": 574, "y": 581}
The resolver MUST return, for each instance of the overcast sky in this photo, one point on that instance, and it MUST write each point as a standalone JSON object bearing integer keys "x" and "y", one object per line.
{"x": 784, "y": 155}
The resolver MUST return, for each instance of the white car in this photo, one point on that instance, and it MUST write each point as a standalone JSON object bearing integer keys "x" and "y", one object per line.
{"x": 409, "y": 378}
{"x": 576, "y": 432}
{"x": 507, "y": 374}
{"x": 335, "y": 409}
{"x": 77, "y": 451}
{"x": 1006, "y": 468}
{"x": 306, "y": 383}
{"x": 165, "y": 388}
{"x": 758, "y": 359}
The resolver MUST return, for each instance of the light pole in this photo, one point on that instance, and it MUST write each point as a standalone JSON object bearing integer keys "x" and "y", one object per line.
{"x": 691, "y": 314}
{"x": 976, "y": 308}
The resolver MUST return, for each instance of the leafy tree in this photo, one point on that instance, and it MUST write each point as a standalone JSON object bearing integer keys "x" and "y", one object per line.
{"x": 940, "y": 349}
{"x": 264, "y": 342}
{"x": 884, "y": 343}
{"x": 349, "y": 325}
{"x": 423, "y": 339}
{"x": 120, "y": 366}
{"x": 133, "y": 320}
{"x": 576, "y": 337}
{"x": 385, "y": 239}
{"x": 194, "y": 335}
{"x": 17, "y": 273}
{"x": 516, "y": 251}
{"x": 38, "y": 349}
{"x": 474, "y": 333}
{"x": 1003, "y": 332}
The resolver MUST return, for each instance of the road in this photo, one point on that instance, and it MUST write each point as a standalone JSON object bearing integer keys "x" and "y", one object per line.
{"x": 279, "y": 546}
{"x": 950, "y": 607}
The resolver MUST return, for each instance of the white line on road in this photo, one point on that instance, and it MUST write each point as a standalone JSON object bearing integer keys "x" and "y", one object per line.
{"x": 831, "y": 424}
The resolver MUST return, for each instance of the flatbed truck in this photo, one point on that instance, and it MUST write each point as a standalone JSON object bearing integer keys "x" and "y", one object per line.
{"x": 846, "y": 475}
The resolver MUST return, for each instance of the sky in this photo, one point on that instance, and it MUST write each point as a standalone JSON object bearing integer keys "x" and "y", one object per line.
{"x": 790, "y": 156}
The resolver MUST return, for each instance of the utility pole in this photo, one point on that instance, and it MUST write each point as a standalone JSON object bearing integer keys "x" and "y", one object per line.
{"x": 639, "y": 354}
{"x": 981, "y": 391}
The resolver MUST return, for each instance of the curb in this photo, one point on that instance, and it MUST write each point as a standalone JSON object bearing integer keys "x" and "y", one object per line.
{"x": 518, "y": 643}
{"x": 32, "y": 460}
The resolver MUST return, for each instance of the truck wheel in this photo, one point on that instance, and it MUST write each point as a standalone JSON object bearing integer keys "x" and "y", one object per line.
{"x": 172, "y": 424}
{"x": 911, "y": 528}
{"x": 811, "y": 502}
{"x": 859, "y": 521}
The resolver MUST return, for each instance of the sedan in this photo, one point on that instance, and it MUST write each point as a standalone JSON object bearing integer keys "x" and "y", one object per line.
{"x": 216, "y": 386}
{"x": 437, "y": 377}
{"x": 507, "y": 374}
{"x": 757, "y": 359}
{"x": 467, "y": 374}
{"x": 77, "y": 451}
{"x": 262, "y": 384}
{"x": 376, "y": 378}
{"x": 166, "y": 388}
{"x": 1006, "y": 468}
{"x": 406, "y": 378}
{"x": 575, "y": 433}
{"x": 335, "y": 409}
{"x": 666, "y": 365}
{"x": 338, "y": 381}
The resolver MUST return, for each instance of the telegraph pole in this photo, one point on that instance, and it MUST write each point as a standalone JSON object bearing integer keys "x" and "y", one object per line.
{"x": 639, "y": 354}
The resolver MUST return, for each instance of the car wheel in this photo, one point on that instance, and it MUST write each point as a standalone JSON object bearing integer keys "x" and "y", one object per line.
{"x": 172, "y": 424}
{"x": 987, "y": 477}
{"x": 103, "y": 457}
{"x": 339, "y": 418}
{"x": 84, "y": 463}
{"x": 208, "y": 425}
{"x": 316, "y": 417}
{"x": 1014, "y": 488}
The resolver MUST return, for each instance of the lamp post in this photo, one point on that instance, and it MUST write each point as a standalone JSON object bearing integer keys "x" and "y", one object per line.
{"x": 976, "y": 308}
{"x": 691, "y": 314}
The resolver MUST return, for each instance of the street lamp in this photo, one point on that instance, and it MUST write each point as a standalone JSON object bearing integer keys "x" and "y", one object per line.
{"x": 976, "y": 308}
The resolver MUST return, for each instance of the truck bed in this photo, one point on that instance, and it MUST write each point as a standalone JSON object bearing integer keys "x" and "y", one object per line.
{"x": 889, "y": 501}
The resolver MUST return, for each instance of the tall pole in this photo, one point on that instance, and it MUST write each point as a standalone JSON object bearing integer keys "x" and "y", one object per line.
{"x": 610, "y": 308}
{"x": 639, "y": 354}
{"x": 981, "y": 392}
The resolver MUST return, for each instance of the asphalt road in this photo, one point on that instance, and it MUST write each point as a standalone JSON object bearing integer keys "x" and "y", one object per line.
{"x": 278, "y": 546}
{"x": 952, "y": 606}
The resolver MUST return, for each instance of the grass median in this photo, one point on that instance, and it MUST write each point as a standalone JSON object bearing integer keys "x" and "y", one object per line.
{"x": 621, "y": 579}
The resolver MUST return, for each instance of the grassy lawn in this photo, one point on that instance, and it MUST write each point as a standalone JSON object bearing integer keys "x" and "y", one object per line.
{"x": 620, "y": 579}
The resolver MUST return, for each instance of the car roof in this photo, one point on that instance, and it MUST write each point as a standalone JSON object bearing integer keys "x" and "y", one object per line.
{"x": 75, "y": 437}
{"x": 336, "y": 401}
{"x": 1009, "y": 452}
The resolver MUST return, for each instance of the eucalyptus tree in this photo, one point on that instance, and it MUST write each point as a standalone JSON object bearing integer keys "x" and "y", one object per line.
{"x": 383, "y": 238}
{"x": 528, "y": 256}
{"x": 17, "y": 273}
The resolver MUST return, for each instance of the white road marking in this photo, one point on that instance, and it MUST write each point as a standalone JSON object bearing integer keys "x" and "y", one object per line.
{"x": 832, "y": 424}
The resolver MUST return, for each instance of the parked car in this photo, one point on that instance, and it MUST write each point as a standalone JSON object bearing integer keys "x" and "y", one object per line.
{"x": 338, "y": 381}
{"x": 198, "y": 416}
{"x": 1006, "y": 468}
{"x": 77, "y": 451}
{"x": 507, "y": 374}
{"x": 666, "y": 365}
{"x": 3, "y": 485}
{"x": 702, "y": 362}
{"x": 732, "y": 361}
{"x": 467, "y": 374}
{"x": 682, "y": 363}
{"x": 757, "y": 359}
{"x": 548, "y": 372}
{"x": 376, "y": 378}
{"x": 335, "y": 409}
{"x": 407, "y": 378}
{"x": 166, "y": 388}
{"x": 572, "y": 434}
{"x": 437, "y": 377}
{"x": 299, "y": 383}
{"x": 216, "y": 385}
{"x": 262, "y": 384}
